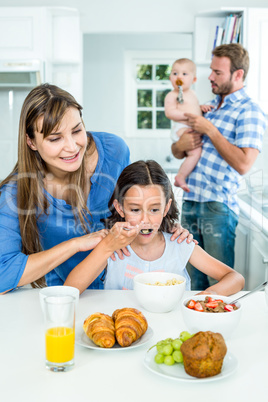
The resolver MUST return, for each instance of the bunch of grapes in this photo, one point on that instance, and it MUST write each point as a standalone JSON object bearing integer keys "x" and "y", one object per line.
{"x": 168, "y": 350}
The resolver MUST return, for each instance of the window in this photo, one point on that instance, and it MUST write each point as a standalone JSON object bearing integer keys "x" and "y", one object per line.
{"x": 147, "y": 83}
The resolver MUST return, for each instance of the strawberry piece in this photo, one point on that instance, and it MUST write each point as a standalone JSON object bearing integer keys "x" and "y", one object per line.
{"x": 198, "y": 307}
{"x": 210, "y": 299}
{"x": 191, "y": 304}
{"x": 212, "y": 304}
{"x": 228, "y": 307}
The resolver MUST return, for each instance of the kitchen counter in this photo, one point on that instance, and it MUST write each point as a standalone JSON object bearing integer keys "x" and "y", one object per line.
{"x": 103, "y": 375}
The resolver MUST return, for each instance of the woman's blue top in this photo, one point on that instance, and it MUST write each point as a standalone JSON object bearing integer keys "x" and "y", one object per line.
{"x": 59, "y": 224}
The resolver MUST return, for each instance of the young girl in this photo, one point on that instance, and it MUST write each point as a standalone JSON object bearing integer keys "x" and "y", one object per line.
{"x": 143, "y": 199}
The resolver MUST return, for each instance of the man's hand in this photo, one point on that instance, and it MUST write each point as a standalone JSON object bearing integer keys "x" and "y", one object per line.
{"x": 200, "y": 124}
{"x": 188, "y": 141}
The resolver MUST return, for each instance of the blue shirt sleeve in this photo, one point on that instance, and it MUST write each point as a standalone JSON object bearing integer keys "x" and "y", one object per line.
{"x": 12, "y": 260}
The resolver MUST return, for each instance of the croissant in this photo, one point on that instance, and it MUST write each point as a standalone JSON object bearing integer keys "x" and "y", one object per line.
{"x": 130, "y": 325}
{"x": 100, "y": 329}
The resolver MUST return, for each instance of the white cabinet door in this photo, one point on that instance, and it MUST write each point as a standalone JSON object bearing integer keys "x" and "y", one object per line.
{"x": 242, "y": 251}
{"x": 22, "y": 32}
{"x": 258, "y": 259}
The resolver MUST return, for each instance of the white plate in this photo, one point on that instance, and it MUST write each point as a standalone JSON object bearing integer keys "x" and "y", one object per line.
{"x": 83, "y": 340}
{"x": 177, "y": 372}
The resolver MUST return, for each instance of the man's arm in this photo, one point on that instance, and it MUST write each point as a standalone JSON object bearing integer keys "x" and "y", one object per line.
{"x": 188, "y": 141}
{"x": 241, "y": 159}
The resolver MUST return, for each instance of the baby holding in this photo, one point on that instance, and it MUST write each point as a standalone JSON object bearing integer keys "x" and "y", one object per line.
{"x": 180, "y": 100}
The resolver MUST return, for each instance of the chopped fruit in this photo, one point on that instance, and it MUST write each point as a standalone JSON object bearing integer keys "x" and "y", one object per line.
{"x": 212, "y": 304}
{"x": 191, "y": 304}
{"x": 228, "y": 307}
{"x": 198, "y": 307}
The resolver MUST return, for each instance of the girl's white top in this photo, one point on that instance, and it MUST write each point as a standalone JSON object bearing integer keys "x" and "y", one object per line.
{"x": 120, "y": 273}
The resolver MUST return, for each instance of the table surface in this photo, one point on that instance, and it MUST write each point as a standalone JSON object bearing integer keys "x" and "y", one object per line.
{"x": 103, "y": 375}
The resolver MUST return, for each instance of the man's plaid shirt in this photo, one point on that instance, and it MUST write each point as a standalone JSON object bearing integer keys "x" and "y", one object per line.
{"x": 242, "y": 123}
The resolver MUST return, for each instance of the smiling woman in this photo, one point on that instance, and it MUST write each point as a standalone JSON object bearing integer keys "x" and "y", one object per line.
{"x": 53, "y": 202}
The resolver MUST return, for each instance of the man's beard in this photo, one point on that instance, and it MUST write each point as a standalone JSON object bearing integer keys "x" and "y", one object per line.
{"x": 223, "y": 89}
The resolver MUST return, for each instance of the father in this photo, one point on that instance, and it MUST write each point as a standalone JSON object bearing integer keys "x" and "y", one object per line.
{"x": 231, "y": 137}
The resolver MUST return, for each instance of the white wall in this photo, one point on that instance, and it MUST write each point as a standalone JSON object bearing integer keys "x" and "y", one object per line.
{"x": 104, "y": 95}
{"x": 137, "y": 15}
{"x": 126, "y": 25}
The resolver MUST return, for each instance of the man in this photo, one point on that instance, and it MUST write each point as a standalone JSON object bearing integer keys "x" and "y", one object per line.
{"x": 231, "y": 138}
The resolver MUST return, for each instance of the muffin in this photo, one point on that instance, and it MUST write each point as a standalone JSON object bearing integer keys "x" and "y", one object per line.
{"x": 203, "y": 354}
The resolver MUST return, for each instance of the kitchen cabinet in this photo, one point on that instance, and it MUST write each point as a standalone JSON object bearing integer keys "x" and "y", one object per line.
{"x": 49, "y": 34}
{"x": 251, "y": 246}
{"x": 254, "y": 37}
{"x": 242, "y": 241}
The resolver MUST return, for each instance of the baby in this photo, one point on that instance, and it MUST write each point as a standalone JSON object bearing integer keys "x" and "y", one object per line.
{"x": 180, "y": 100}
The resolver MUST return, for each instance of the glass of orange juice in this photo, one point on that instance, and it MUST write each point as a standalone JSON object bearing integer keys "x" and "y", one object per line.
{"x": 59, "y": 313}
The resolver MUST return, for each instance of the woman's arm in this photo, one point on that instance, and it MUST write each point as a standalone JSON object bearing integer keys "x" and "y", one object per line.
{"x": 39, "y": 264}
{"x": 230, "y": 281}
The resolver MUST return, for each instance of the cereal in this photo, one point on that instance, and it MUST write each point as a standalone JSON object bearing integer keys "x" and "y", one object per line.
{"x": 169, "y": 282}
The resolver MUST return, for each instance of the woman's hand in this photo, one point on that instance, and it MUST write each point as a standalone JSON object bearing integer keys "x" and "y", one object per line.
{"x": 120, "y": 236}
{"x": 181, "y": 234}
{"x": 90, "y": 241}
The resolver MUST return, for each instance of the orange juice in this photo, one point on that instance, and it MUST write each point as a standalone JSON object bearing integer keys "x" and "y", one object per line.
{"x": 59, "y": 344}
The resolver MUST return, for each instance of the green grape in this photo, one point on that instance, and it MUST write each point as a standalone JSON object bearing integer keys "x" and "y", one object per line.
{"x": 177, "y": 344}
{"x": 168, "y": 349}
{"x": 159, "y": 347}
{"x": 168, "y": 360}
{"x": 167, "y": 340}
{"x": 159, "y": 358}
{"x": 184, "y": 335}
{"x": 177, "y": 356}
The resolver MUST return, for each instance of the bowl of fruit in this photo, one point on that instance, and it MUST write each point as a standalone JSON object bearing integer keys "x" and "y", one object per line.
{"x": 211, "y": 313}
{"x": 159, "y": 292}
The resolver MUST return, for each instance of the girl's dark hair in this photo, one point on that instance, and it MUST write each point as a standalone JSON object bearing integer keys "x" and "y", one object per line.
{"x": 144, "y": 173}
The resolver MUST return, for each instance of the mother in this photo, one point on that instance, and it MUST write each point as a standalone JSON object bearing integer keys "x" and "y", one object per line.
{"x": 53, "y": 202}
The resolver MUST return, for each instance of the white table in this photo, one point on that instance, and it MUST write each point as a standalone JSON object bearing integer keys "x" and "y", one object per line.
{"x": 120, "y": 376}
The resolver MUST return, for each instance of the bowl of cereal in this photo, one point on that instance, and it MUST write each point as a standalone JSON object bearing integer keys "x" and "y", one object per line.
{"x": 211, "y": 313}
{"x": 159, "y": 292}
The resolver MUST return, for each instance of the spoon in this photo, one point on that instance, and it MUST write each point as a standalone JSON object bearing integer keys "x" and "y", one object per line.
{"x": 249, "y": 293}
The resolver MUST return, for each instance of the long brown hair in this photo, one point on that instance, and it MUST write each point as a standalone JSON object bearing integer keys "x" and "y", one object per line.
{"x": 50, "y": 102}
{"x": 144, "y": 173}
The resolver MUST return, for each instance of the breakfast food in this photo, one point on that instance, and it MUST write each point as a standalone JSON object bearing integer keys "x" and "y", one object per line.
{"x": 125, "y": 326}
{"x": 168, "y": 350}
{"x": 203, "y": 354}
{"x": 130, "y": 325}
{"x": 100, "y": 329}
{"x": 169, "y": 282}
{"x": 146, "y": 231}
{"x": 210, "y": 305}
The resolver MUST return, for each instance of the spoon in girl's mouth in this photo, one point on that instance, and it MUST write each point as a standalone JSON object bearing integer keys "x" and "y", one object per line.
{"x": 146, "y": 231}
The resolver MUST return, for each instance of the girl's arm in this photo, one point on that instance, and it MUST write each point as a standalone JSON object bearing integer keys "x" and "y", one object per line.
{"x": 230, "y": 281}
{"x": 89, "y": 269}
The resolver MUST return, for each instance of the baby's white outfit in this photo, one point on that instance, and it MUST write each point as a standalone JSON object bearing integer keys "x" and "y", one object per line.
{"x": 174, "y": 128}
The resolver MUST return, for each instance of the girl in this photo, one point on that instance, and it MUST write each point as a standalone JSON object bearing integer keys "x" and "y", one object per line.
{"x": 143, "y": 199}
